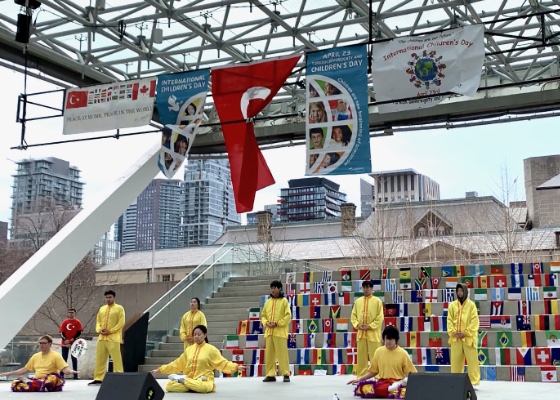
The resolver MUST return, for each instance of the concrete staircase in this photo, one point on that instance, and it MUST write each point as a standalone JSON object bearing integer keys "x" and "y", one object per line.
{"x": 223, "y": 311}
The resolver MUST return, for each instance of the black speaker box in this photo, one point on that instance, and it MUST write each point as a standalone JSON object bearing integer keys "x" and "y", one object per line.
{"x": 130, "y": 386}
{"x": 439, "y": 386}
{"x": 23, "y": 28}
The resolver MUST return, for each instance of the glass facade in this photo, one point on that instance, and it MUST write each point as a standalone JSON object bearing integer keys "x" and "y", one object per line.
{"x": 310, "y": 199}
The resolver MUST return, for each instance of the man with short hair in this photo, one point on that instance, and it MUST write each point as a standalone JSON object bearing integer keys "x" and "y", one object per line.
{"x": 391, "y": 364}
{"x": 110, "y": 323}
{"x": 367, "y": 318}
{"x": 46, "y": 364}
{"x": 70, "y": 330}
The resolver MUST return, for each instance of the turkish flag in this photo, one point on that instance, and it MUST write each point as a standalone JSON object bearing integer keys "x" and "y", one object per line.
{"x": 241, "y": 92}
{"x": 76, "y": 98}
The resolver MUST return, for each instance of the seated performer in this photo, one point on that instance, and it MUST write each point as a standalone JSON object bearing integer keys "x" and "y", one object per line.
{"x": 198, "y": 363}
{"x": 391, "y": 364}
{"x": 46, "y": 364}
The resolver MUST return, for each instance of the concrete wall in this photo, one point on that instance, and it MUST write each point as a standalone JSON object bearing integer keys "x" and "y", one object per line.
{"x": 135, "y": 298}
{"x": 543, "y": 206}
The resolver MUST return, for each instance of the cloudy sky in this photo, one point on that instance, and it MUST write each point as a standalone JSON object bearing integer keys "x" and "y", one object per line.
{"x": 460, "y": 160}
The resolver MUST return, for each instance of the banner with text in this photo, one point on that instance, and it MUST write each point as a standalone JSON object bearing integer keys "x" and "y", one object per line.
{"x": 109, "y": 106}
{"x": 180, "y": 102}
{"x": 427, "y": 65}
{"x": 337, "y": 123}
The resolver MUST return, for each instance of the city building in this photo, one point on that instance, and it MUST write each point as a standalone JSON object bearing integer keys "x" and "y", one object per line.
{"x": 367, "y": 194}
{"x": 273, "y": 208}
{"x": 43, "y": 183}
{"x": 106, "y": 251}
{"x": 209, "y": 202}
{"x": 153, "y": 221}
{"x": 403, "y": 185}
{"x": 310, "y": 199}
{"x": 542, "y": 202}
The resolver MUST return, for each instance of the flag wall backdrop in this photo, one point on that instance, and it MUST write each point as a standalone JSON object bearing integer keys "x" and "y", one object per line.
{"x": 337, "y": 122}
{"x": 110, "y": 106}
{"x": 410, "y": 67}
{"x": 180, "y": 101}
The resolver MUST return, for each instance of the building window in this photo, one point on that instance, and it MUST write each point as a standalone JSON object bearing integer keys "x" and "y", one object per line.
{"x": 166, "y": 278}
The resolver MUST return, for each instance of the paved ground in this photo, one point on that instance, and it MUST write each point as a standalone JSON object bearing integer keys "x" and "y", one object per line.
{"x": 301, "y": 387}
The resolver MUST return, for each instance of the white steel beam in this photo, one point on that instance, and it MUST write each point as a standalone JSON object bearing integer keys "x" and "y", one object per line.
{"x": 31, "y": 285}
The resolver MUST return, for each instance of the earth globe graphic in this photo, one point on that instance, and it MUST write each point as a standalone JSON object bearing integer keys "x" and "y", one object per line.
{"x": 426, "y": 69}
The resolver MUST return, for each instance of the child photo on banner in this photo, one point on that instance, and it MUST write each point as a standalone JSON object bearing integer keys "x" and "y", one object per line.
{"x": 337, "y": 123}
{"x": 180, "y": 101}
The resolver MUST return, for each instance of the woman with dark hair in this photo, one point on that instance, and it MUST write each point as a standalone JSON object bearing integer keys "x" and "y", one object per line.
{"x": 276, "y": 316}
{"x": 181, "y": 145}
{"x": 330, "y": 159}
{"x": 199, "y": 362}
{"x": 191, "y": 109}
{"x": 340, "y": 136}
{"x": 391, "y": 365}
{"x": 191, "y": 319}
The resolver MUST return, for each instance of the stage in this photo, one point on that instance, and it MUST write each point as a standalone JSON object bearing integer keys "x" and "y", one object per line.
{"x": 301, "y": 387}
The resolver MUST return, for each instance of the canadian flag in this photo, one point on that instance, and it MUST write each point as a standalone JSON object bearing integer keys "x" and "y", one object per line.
{"x": 241, "y": 92}
{"x": 144, "y": 88}
{"x": 548, "y": 374}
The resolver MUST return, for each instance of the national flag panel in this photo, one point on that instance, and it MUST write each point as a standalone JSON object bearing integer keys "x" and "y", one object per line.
{"x": 517, "y": 374}
{"x": 514, "y": 293}
{"x": 517, "y": 281}
{"x": 523, "y": 307}
{"x": 523, "y": 322}
{"x": 542, "y": 356}
{"x": 442, "y": 356}
{"x": 523, "y": 356}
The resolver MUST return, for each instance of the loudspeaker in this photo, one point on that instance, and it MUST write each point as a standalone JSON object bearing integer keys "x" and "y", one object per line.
{"x": 23, "y": 28}
{"x": 436, "y": 386}
{"x": 130, "y": 386}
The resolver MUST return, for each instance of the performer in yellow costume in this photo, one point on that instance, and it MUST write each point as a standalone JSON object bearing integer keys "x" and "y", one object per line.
{"x": 110, "y": 323}
{"x": 367, "y": 318}
{"x": 198, "y": 363}
{"x": 462, "y": 327}
{"x": 276, "y": 316}
{"x": 47, "y": 364}
{"x": 191, "y": 319}
{"x": 391, "y": 364}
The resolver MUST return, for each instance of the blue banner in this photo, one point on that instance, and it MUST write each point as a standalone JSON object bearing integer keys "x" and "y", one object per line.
{"x": 337, "y": 123}
{"x": 180, "y": 102}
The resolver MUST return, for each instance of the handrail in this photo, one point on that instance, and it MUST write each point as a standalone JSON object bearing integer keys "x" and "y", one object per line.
{"x": 186, "y": 277}
{"x": 189, "y": 285}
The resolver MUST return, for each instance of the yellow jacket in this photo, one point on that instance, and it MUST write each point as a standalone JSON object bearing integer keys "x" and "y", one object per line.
{"x": 111, "y": 318}
{"x": 276, "y": 310}
{"x": 199, "y": 360}
{"x": 463, "y": 318}
{"x": 189, "y": 321}
{"x": 368, "y": 311}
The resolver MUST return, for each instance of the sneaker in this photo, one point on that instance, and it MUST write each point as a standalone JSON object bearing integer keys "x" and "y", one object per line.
{"x": 95, "y": 383}
{"x": 176, "y": 377}
{"x": 269, "y": 379}
{"x": 286, "y": 378}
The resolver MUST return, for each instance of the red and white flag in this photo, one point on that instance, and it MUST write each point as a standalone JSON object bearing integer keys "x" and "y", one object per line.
{"x": 241, "y": 92}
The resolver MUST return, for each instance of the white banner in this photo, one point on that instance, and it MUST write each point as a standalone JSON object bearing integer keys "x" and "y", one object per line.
{"x": 110, "y": 106}
{"x": 409, "y": 67}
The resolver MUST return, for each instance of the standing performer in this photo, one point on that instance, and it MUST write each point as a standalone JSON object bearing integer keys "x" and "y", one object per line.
{"x": 367, "y": 318}
{"x": 191, "y": 319}
{"x": 462, "y": 327}
{"x": 276, "y": 316}
{"x": 110, "y": 323}
{"x": 70, "y": 330}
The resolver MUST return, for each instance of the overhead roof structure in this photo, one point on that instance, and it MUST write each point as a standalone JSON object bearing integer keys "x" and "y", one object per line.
{"x": 117, "y": 40}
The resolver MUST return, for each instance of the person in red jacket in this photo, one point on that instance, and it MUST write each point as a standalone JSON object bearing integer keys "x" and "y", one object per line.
{"x": 70, "y": 330}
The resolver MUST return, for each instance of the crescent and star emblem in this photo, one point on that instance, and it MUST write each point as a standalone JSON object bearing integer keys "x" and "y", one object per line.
{"x": 257, "y": 92}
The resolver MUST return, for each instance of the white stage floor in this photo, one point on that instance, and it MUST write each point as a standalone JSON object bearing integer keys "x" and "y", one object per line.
{"x": 301, "y": 387}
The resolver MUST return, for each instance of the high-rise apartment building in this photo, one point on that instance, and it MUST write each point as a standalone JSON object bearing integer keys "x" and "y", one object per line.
{"x": 403, "y": 185}
{"x": 273, "y": 208}
{"x": 154, "y": 219}
{"x": 209, "y": 202}
{"x": 367, "y": 194}
{"x": 310, "y": 199}
{"x": 43, "y": 184}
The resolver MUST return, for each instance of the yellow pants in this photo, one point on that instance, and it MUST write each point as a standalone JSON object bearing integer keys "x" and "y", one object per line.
{"x": 366, "y": 350}
{"x": 104, "y": 350}
{"x": 460, "y": 351}
{"x": 190, "y": 385}
{"x": 276, "y": 348}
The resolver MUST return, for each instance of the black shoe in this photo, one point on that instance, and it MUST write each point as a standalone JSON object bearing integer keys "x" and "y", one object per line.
{"x": 95, "y": 383}
{"x": 269, "y": 379}
{"x": 286, "y": 378}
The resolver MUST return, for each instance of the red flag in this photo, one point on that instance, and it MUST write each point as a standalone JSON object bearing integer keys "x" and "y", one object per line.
{"x": 76, "y": 98}
{"x": 241, "y": 92}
